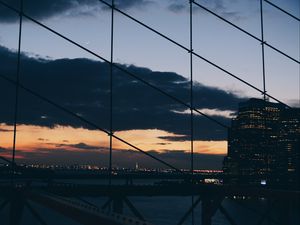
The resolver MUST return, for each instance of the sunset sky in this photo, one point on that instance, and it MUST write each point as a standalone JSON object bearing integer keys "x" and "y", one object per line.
{"x": 79, "y": 81}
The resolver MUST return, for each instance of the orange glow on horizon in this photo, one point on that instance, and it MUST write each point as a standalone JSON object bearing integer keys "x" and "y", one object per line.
{"x": 33, "y": 138}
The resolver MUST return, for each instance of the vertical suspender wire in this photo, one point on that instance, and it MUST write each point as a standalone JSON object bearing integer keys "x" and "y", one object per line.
{"x": 191, "y": 88}
{"x": 192, "y": 102}
{"x": 111, "y": 91}
{"x": 263, "y": 49}
{"x": 264, "y": 84}
{"x": 17, "y": 94}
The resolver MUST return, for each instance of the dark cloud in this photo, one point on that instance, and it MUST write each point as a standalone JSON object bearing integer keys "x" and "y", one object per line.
{"x": 121, "y": 4}
{"x": 162, "y": 143}
{"x": 217, "y": 6}
{"x": 39, "y": 9}
{"x": 79, "y": 146}
{"x": 175, "y": 138}
{"x": 48, "y": 8}
{"x": 82, "y": 86}
{"x": 6, "y": 130}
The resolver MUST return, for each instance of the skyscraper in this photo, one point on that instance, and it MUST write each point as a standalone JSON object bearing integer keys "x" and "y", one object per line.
{"x": 289, "y": 145}
{"x": 263, "y": 145}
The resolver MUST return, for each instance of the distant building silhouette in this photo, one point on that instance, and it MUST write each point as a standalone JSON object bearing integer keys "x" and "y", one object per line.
{"x": 264, "y": 145}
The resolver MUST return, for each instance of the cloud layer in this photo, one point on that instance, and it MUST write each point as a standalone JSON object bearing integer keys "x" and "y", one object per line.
{"x": 82, "y": 86}
{"x": 48, "y": 8}
{"x": 223, "y": 8}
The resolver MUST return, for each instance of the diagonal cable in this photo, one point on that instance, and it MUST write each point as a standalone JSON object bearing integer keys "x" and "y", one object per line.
{"x": 246, "y": 32}
{"x": 282, "y": 10}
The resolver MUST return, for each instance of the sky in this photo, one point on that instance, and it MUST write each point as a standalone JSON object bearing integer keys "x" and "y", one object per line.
{"x": 79, "y": 81}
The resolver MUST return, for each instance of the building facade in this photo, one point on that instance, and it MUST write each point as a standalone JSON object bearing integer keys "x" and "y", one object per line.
{"x": 264, "y": 145}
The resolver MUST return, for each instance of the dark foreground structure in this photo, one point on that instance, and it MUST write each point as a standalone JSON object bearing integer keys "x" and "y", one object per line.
{"x": 264, "y": 145}
{"x": 68, "y": 200}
